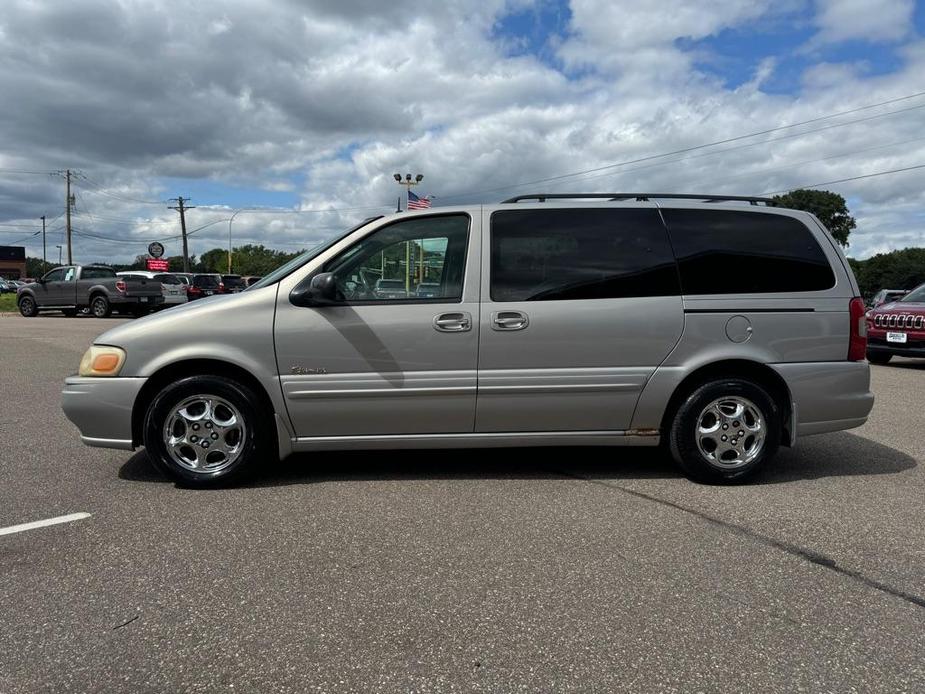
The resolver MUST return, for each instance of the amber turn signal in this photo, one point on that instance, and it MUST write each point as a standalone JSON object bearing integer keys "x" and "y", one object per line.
{"x": 102, "y": 360}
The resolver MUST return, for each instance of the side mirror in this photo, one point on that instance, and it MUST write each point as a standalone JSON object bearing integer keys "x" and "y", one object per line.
{"x": 41, "y": 280}
{"x": 320, "y": 290}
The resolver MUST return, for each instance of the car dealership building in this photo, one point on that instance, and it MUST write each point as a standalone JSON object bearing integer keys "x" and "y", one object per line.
{"x": 12, "y": 262}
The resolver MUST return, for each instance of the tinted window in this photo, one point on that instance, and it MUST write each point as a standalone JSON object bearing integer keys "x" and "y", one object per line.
{"x": 233, "y": 281}
{"x": 570, "y": 254}
{"x": 728, "y": 252}
{"x": 208, "y": 281}
{"x": 391, "y": 263}
{"x": 167, "y": 279}
{"x": 916, "y": 296}
{"x": 96, "y": 273}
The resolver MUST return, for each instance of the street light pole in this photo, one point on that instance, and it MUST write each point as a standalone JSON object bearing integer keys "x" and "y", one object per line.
{"x": 407, "y": 182}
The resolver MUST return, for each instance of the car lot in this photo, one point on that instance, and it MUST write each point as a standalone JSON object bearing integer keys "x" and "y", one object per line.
{"x": 509, "y": 570}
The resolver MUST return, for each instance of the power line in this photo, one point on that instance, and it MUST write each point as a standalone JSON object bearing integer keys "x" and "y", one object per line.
{"x": 693, "y": 148}
{"x": 755, "y": 144}
{"x": 763, "y": 172}
{"x": 34, "y": 173}
{"x": 24, "y": 238}
{"x": 98, "y": 188}
{"x": 845, "y": 180}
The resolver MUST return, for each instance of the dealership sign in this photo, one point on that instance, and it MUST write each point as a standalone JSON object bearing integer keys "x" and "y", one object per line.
{"x": 156, "y": 265}
{"x": 156, "y": 249}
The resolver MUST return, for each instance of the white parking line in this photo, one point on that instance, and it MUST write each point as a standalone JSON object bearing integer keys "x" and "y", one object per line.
{"x": 43, "y": 523}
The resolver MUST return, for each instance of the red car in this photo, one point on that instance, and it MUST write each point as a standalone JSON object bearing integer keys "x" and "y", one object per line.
{"x": 897, "y": 328}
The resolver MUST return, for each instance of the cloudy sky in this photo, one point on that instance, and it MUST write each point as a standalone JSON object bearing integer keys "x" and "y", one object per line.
{"x": 309, "y": 107}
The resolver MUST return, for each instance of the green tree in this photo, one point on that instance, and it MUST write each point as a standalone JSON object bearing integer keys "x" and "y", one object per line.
{"x": 904, "y": 269}
{"x": 35, "y": 267}
{"x": 829, "y": 207}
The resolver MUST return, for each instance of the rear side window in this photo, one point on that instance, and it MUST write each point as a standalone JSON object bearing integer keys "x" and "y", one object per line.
{"x": 97, "y": 273}
{"x": 729, "y": 252}
{"x": 207, "y": 281}
{"x": 574, "y": 254}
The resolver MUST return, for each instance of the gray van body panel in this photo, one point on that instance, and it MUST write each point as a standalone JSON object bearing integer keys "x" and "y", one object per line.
{"x": 596, "y": 372}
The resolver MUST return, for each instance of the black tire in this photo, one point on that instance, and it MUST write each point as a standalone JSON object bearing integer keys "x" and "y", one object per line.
{"x": 28, "y": 307}
{"x": 256, "y": 444}
{"x": 69, "y": 312}
{"x": 879, "y": 357}
{"x": 683, "y": 436}
{"x": 99, "y": 307}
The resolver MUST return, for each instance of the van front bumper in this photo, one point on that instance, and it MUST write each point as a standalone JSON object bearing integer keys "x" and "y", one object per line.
{"x": 101, "y": 408}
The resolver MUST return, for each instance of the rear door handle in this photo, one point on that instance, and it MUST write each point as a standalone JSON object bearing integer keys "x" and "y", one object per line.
{"x": 458, "y": 322}
{"x": 509, "y": 320}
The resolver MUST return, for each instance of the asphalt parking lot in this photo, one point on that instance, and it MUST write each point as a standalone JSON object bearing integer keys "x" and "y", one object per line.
{"x": 587, "y": 570}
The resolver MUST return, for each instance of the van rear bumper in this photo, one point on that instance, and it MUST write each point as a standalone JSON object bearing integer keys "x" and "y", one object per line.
{"x": 828, "y": 396}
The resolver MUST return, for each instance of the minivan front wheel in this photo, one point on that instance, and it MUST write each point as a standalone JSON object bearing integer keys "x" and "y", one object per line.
{"x": 725, "y": 431}
{"x": 204, "y": 430}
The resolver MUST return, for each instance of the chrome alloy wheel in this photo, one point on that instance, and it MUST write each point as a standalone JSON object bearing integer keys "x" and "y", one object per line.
{"x": 730, "y": 432}
{"x": 204, "y": 433}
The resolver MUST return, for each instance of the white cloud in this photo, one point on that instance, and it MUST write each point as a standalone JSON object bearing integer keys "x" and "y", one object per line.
{"x": 343, "y": 95}
{"x": 882, "y": 20}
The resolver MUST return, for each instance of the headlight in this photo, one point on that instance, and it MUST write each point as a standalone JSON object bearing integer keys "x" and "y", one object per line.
{"x": 102, "y": 360}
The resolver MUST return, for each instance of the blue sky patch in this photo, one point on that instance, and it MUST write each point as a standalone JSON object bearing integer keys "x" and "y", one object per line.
{"x": 534, "y": 31}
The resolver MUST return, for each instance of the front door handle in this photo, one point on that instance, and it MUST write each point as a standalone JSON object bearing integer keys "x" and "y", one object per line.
{"x": 509, "y": 320}
{"x": 458, "y": 322}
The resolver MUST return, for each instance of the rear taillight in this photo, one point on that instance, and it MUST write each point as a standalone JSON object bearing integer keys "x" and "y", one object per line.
{"x": 221, "y": 286}
{"x": 857, "y": 342}
{"x": 120, "y": 285}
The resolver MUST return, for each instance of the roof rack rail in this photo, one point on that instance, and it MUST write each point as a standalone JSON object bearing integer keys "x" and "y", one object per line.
{"x": 641, "y": 197}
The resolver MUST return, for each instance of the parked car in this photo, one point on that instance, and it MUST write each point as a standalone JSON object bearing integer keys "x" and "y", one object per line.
{"x": 390, "y": 289}
{"x": 886, "y": 296}
{"x": 721, "y": 330}
{"x": 233, "y": 284}
{"x": 897, "y": 328}
{"x": 205, "y": 285}
{"x": 251, "y": 279}
{"x": 428, "y": 290}
{"x": 6, "y": 287}
{"x": 172, "y": 288}
{"x": 72, "y": 288}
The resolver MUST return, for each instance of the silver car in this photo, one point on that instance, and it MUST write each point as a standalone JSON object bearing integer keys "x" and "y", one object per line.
{"x": 720, "y": 328}
{"x": 173, "y": 289}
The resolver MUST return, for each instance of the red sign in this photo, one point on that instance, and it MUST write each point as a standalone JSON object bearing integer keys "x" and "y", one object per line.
{"x": 156, "y": 265}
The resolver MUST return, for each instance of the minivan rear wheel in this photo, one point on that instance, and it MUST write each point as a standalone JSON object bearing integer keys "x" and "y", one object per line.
{"x": 725, "y": 431}
{"x": 204, "y": 431}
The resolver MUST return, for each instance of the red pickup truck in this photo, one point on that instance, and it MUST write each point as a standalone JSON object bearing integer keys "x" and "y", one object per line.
{"x": 96, "y": 288}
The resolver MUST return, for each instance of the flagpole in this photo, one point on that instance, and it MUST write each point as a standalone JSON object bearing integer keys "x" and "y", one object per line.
{"x": 407, "y": 182}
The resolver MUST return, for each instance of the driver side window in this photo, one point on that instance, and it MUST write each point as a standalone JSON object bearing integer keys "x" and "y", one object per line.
{"x": 417, "y": 260}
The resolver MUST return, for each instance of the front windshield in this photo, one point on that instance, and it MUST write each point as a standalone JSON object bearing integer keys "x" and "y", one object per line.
{"x": 302, "y": 258}
{"x": 916, "y": 296}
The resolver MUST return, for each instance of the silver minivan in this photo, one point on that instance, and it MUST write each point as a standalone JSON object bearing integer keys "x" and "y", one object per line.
{"x": 718, "y": 327}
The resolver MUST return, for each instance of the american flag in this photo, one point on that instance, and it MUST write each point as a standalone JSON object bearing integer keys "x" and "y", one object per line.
{"x": 416, "y": 203}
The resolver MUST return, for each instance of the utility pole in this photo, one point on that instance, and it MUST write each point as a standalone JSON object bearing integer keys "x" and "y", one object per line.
{"x": 44, "y": 254}
{"x": 59, "y": 254}
{"x": 69, "y": 202}
{"x": 181, "y": 208}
